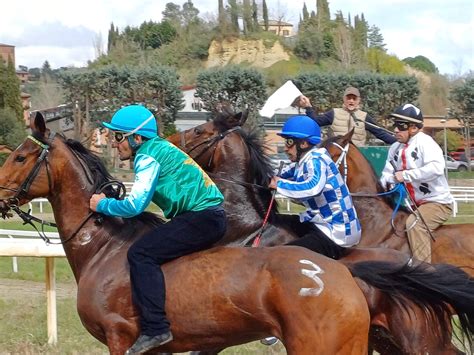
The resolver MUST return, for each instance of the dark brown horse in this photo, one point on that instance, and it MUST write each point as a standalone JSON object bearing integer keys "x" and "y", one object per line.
{"x": 216, "y": 298}
{"x": 237, "y": 163}
{"x": 454, "y": 243}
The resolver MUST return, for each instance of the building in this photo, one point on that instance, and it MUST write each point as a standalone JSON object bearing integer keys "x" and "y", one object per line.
{"x": 7, "y": 52}
{"x": 279, "y": 28}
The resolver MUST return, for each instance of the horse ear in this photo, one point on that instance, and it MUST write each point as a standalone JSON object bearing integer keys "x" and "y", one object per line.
{"x": 37, "y": 124}
{"x": 347, "y": 137}
{"x": 237, "y": 119}
{"x": 243, "y": 117}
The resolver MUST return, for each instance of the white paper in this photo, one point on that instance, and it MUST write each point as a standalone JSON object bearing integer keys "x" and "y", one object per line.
{"x": 282, "y": 98}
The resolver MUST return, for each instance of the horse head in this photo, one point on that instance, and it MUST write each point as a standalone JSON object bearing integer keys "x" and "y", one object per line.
{"x": 351, "y": 162}
{"x": 24, "y": 175}
{"x": 204, "y": 142}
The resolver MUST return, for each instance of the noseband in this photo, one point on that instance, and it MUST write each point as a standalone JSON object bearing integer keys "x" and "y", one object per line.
{"x": 23, "y": 189}
{"x": 342, "y": 158}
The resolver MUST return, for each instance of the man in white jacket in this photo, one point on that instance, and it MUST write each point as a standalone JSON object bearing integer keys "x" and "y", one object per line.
{"x": 419, "y": 164}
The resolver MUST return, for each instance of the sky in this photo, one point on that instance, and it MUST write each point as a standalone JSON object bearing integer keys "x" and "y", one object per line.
{"x": 68, "y": 33}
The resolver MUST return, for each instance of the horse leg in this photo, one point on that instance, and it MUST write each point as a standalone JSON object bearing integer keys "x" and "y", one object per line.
{"x": 118, "y": 342}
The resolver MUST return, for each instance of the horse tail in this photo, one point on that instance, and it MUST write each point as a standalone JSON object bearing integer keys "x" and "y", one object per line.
{"x": 437, "y": 289}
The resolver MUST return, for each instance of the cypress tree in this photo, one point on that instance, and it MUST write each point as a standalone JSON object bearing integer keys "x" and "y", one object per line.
{"x": 305, "y": 12}
{"x": 221, "y": 16}
{"x": 265, "y": 14}
{"x": 11, "y": 91}
{"x": 256, "y": 26}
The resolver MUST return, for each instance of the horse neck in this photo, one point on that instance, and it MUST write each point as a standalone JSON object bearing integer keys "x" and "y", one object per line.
{"x": 374, "y": 212}
{"x": 243, "y": 204}
{"x": 69, "y": 199}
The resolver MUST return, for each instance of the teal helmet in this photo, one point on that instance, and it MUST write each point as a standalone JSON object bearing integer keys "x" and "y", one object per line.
{"x": 134, "y": 119}
{"x": 301, "y": 127}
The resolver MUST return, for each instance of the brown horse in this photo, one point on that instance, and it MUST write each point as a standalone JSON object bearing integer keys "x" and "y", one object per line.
{"x": 454, "y": 243}
{"x": 237, "y": 163}
{"x": 216, "y": 298}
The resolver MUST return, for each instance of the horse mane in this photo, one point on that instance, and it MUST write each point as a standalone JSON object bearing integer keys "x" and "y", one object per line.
{"x": 95, "y": 168}
{"x": 261, "y": 168}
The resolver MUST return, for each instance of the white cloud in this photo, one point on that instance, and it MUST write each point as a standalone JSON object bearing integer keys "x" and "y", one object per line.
{"x": 35, "y": 56}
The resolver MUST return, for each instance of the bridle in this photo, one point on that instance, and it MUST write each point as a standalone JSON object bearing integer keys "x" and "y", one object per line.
{"x": 342, "y": 158}
{"x": 212, "y": 142}
{"x": 208, "y": 143}
{"x": 23, "y": 189}
{"x": 13, "y": 202}
{"x": 397, "y": 189}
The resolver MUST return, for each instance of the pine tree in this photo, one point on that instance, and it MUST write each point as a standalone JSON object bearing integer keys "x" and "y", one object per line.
{"x": 46, "y": 72}
{"x": 375, "y": 38}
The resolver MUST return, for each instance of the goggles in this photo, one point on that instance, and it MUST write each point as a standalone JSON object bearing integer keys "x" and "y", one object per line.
{"x": 119, "y": 137}
{"x": 290, "y": 142}
{"x": 401, "y": 126}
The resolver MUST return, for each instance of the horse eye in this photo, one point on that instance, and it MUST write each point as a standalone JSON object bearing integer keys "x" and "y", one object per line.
{"x": 197, "y": 130}
{"x": 20, "y": 158}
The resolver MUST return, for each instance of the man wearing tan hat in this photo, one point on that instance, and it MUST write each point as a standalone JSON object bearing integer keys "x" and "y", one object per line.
{"x": 342, "y": 120}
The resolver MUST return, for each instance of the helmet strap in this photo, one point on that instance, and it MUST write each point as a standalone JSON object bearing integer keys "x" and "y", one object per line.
{"x": 133, "y": 145}
{"x": 300, "y": 151}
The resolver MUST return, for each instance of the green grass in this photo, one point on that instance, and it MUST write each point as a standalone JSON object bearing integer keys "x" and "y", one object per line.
{"x": 33, "y": 269}
{"x": 24, "y": 320}
{"x": 460, "y": 174}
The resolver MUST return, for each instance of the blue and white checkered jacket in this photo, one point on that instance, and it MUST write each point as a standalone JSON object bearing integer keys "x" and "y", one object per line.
{"x": 316, "y": 183}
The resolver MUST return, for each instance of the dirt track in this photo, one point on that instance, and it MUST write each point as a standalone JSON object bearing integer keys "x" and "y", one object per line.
{"x": 14, "y": 289}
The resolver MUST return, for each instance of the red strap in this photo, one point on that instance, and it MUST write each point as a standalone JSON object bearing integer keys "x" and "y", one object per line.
{"x": 410, "y": 188}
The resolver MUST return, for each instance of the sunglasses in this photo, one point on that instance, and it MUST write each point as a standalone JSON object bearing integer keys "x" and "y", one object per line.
{"x": 402, "y": 126}
{"x": 119, "y": 137}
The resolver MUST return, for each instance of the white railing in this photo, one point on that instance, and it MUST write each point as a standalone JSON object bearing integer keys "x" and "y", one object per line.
{"x": 27, "y": 243}
{"x": 464, "y": 194}
{"x": 460, "y": 194}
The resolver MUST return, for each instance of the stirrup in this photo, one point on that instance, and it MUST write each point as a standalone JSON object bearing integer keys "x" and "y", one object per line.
{"x": 269, "y": 341}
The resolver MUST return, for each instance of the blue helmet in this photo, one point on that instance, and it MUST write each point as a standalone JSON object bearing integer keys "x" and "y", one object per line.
{"x": 302, "y": 127}
{"x": 134, "y": 119}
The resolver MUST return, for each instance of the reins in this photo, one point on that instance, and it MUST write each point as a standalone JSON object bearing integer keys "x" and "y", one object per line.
{"x": 398, "y": 188}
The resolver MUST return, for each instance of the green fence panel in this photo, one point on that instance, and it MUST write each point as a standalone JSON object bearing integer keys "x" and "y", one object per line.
{"x": 376, "y": 155}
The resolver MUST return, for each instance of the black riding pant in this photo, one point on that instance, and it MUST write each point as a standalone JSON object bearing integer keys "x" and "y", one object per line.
{"x": 320, "y": 243}
{"x": 184, "y": 234}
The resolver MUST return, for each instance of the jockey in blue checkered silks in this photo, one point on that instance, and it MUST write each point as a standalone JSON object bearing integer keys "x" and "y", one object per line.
{"x": 314, "y": 181}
